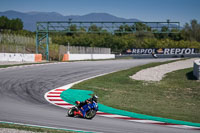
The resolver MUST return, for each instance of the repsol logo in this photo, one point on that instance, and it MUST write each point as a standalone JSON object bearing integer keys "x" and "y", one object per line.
{"x": 165, "y": 51}
{"x": 179, "y": 51}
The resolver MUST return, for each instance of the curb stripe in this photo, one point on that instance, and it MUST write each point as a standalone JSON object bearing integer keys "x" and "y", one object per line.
{"x": 165, "y": 124}
{"x": 127, "y": 118}
{"x": 53, "y": 96}
{"x": 114, "y": 116}
{"x": 102, "y": 113}
{"x": 60, "y": 89}
{"x": 145, "y": 121}
{"x": 56, "y": 100}
{"x": 63, "y": 104}
{"x": 55, "y": 93}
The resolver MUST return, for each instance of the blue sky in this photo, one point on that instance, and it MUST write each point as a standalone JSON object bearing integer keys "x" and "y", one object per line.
{"x": 145, "y": 10}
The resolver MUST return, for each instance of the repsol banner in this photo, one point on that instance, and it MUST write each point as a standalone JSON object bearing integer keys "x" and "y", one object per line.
{"x": 165, "y": 51}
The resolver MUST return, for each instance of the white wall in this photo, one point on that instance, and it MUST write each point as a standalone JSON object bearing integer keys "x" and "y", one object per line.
{"x": 79, "y": 56}
{"x": 102, "y": 56}
{"x": 17, "y": 57}
{"x": 90, "y": 56}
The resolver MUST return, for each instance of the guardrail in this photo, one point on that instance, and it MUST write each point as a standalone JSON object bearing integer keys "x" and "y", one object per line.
{"x": 196, "y": 69}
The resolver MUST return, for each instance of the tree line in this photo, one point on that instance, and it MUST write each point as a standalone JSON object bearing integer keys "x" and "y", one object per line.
{"x": 11, "y": 24}
{"x": 142, "y": 37}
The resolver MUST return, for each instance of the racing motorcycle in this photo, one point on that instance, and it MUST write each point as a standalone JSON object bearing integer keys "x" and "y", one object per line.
{"x": 87, "y": 111}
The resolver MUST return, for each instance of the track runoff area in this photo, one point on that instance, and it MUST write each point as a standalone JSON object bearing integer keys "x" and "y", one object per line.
{"x": 55, "y": 94}
{"x": 54, "y": 97}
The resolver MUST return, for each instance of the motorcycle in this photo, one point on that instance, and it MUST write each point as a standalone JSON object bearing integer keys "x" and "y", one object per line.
{"x": 87, "y": 111}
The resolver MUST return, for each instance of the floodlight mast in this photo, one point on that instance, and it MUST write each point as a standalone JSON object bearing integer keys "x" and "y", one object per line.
{"x": 44, "y": 28}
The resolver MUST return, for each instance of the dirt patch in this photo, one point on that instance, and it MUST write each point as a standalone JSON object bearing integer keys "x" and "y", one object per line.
{"x": 7, "y": 130}
{"x": 158, "y": 72}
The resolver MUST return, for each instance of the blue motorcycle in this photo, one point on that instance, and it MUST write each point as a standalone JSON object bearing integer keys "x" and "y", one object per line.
{"x": 87, "y": 111}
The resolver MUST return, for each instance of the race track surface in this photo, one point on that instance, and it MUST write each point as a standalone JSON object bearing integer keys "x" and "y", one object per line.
{"x": 22, "y": 96}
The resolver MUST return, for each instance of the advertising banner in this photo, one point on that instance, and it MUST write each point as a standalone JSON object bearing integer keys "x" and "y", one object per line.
{"x": 165, "y": 51}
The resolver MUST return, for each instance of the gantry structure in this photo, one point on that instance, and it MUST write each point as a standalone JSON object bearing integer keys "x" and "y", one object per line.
{"x": 44, "y": 28}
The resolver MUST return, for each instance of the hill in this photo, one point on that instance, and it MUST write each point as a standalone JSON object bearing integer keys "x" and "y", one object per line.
{"x": 30, "y": 18}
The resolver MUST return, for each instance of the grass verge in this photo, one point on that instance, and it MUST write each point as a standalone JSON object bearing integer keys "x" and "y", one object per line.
{"x": 11, "y": 65}
{"x": 35, "y": 128}
{"x": 177, "y": 96}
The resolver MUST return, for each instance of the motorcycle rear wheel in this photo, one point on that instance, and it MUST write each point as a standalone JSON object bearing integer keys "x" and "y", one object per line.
{"x": 70, "y": 112}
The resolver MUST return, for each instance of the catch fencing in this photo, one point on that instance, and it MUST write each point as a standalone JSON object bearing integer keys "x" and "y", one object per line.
{"x": 16, "y": 39}
{"x": 10, "y": 43}
{"x": 81, "y": 50}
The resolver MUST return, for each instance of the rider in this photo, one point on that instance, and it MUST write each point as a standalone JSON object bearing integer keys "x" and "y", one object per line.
{"x": 81, "y": 104}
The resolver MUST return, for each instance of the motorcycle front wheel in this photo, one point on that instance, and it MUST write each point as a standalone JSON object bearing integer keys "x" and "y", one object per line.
{"x": 90, "y": 114}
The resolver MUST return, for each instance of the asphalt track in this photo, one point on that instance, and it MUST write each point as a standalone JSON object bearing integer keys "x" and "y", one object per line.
{"x": 22, "y": 97}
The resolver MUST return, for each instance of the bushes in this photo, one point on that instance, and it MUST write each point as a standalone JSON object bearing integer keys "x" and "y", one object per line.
{"x": 119, "y": 43}
{"x": 188, "y": 37}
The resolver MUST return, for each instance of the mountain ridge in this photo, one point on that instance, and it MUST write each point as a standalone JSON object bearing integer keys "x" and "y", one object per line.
{"x": 30, "y": 18}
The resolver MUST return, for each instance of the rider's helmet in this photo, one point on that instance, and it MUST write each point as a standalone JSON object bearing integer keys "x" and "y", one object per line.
{"x": 95, "y": 97}
{"x": 77, "y": 102}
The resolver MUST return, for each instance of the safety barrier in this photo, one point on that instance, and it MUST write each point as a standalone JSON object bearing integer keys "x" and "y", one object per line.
{"x": 196, "y": 69}
{"x": 20, "y": 57}
{"x": 71, "y": 57}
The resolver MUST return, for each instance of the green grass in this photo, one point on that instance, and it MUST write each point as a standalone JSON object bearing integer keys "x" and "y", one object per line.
{"x": 5, "y": 66}
{"x": 32, "y": 128}
{"x": 177, "y": 96}
{"x": 11, "y": 65}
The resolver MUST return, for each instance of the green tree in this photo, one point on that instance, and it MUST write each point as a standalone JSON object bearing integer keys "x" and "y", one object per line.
{"x": 191, "y": 31}
{"x": 14, "y": 24}
{"x": 125, "y": 28}
{"x": 140, "y": 27}
{"x": 73, "y": 28}
{"x": 164, "y": 34}
{"x": 175, "y": 35}
{"x": 82, "y": 30}
{"x": 95, "y": 29}
{"x": 4, "y": 22}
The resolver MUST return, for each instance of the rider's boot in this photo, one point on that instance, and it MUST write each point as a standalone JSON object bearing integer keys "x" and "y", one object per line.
{"x": 78, "y": 113}
{"x": 75, "y": 113}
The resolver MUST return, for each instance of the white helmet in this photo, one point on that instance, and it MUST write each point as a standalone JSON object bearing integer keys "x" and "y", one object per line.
{"x": 95, "y": 97}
